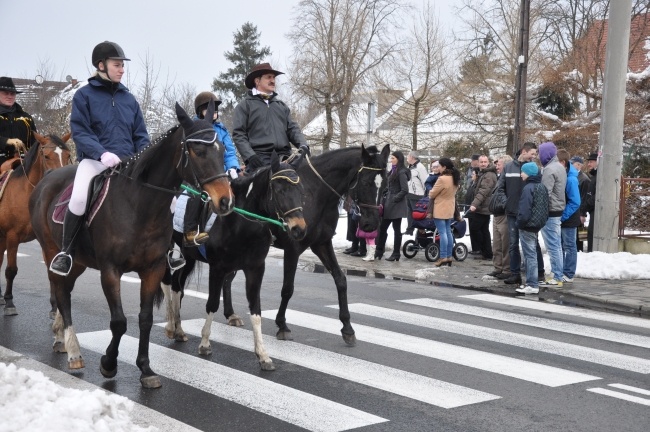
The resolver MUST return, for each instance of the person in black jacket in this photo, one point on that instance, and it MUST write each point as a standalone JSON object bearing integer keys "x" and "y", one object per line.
{"x": 262, "y": 122}
{"x": 589, "y": 206}
{"x": 16, "y": 126}
{"x": 394, "y": 207}
{"x": 583, "y": 187}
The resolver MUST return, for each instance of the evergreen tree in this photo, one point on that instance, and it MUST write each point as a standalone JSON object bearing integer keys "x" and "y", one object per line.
{"x": 246, "y": 53}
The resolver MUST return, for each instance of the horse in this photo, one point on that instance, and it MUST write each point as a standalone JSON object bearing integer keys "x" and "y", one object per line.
{"x": 49, "y": 152}
{"x": 358, "y": 172}
{"x": 238, "y": 242}
{"x": 131, "y": 231}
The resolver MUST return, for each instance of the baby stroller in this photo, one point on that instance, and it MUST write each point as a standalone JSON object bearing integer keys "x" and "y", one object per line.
{"x": 427, "y": 239}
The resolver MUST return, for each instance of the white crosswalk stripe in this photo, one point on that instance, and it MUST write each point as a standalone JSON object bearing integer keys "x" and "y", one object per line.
{"x": 532, "y": 321}
{"x": 292, "y": 406}
{"x": 515, "y": 368}
{"x": 392, "y": 380}
{"x": 606, "y": 358}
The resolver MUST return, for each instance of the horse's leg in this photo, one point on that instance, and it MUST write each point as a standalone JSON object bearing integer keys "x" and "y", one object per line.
{"x": 53, "y": 310}
{"x": 173, "y": 296}
{"x": 216, "y": 280}
{"x": 325, "y": 252}
{"x": 3, "y": 243}
{"x": 63, "y": 290}
{"x": 149, "y": 290}
{"x": 11, "y": 271}
{"x": 59, "y": 337}
{"x": 233, "y": 319}
{"x": 110, "y": 279}
{"x": 290, "y": 266}
{"x": 254, "y": 275}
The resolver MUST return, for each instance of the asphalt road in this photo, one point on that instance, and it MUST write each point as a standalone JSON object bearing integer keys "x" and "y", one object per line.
{"x": 427, "y": 358}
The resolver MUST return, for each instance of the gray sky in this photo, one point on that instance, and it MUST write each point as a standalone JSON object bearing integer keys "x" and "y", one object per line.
{"x": 185, "y": 39}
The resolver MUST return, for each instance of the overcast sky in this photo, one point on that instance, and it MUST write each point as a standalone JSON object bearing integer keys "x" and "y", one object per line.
{"x": 185, "y": 39}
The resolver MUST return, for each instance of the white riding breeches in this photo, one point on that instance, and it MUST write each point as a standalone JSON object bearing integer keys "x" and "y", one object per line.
{"x": 86, "y": 170}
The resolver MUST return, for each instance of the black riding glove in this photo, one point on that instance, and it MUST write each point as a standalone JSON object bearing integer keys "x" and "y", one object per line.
{"x": 254, "y": 162}
{"x": 304, "y": 149}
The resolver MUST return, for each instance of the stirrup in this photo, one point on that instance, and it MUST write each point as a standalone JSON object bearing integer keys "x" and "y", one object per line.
{"x": 61, "y": 264}
{"x": 197, "y": 238}
{"x": 175, "y": 262}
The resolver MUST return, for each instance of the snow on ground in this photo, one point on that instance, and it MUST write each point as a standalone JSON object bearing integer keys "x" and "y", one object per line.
{"x": 37, "y": 404}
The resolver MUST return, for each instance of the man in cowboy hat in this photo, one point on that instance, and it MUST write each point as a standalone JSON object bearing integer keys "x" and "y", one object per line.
{"x": 16, "y": 126}
{"x": 262, "y": 122}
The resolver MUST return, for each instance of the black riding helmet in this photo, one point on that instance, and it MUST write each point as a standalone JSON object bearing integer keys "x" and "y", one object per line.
{"x": 107, "y": 50}
{"x": 202, "y": 100}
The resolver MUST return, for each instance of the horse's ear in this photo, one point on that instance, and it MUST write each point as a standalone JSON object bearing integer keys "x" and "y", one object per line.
{"x": 183, "y": 118}
{"x": 66, "y": 137}
{"x": 385, "y": 152}
{"x": 275, "y": 162}
{"x": 209, "y": 114}
{"x": 40, "y": 138}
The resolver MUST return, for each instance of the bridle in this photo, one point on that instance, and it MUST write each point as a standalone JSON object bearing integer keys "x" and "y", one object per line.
{"x": 353, "y": 184}
{"x": 186, "y": 160}
{"x": 280, "y": 176}
{"x": 41, "y": 150}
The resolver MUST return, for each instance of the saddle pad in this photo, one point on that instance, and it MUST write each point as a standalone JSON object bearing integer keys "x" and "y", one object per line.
{"x": 179, "y": 215}
{"x": 61, "y": 206}
{"x": 4, "y": 179}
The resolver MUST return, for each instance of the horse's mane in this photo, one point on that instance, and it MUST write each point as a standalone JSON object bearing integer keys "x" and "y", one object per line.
{"x": 32, "y": 155}
{"x": 136, "y": 166}
{"x": 348, "y": 151}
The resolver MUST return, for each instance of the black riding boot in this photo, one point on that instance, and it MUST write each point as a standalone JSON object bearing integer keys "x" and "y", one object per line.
{"x": 193, "y": 237}
{"x": 62, "y": 262}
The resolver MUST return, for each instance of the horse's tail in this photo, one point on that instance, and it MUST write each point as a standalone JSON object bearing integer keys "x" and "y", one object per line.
{"x": 158, "y": 296}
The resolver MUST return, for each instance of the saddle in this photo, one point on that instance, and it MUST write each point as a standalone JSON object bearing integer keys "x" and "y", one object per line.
{"x": 96, "y": 194}
{"x": 10, "y": 164}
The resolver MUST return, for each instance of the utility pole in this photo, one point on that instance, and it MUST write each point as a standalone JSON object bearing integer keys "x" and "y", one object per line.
{"x": 371, "y": 122}
{"x": 522, "y": 76}
{"x": 610, "y": 142}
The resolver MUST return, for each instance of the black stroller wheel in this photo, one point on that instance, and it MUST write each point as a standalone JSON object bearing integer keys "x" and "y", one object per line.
{"x": 460, "y": 251}
{"x": 410, "y": 248}
{"x": 432, "y": 252}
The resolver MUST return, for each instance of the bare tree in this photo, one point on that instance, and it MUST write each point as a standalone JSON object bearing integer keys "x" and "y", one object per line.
{"x": 337, "y": 42}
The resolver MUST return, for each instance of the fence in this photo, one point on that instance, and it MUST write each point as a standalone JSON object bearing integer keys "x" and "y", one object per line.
{"x": 634, "y": 212}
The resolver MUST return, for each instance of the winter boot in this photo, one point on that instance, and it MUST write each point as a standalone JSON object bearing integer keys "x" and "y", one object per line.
{"x": 370, "y": 256}
{"x": 62, "y": 262}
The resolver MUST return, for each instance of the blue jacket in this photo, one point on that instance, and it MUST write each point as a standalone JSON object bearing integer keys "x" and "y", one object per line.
{"x": 230, "y": 157}
{"x": 572, "y": 199}
{"x": 430, "y": 181}
{"x": 106, "y": 120}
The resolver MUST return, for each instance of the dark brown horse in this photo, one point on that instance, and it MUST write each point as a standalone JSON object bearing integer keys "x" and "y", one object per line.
{"x": 49, "y": 152}
{"x": 131, "y": 231}
{"x": 240, "y": 242}
{"x": 354, "y": 171}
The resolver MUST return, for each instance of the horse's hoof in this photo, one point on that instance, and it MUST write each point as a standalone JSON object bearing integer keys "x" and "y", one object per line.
{"x": 11, "y": 311}
{"x": 52, "y": 315}
{"x": 235, "y": 321}
{"x": 2, "y": 300}
{"x": 169, "y": 334}
{"x": 181, "y": 337}
{"x": 150, "y": 382}
{"x": 267, "y": 366}
{"x": 284, "y": 335}
{"x": 107, "y": 373}
{"x": 77, "y": 363}
{"x": 350, "y": 340}
{"x": 59, "y": 347}
{"x": 204, "y": 351}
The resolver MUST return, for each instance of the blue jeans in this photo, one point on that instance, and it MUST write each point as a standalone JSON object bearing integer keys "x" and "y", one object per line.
{"x": 446, "y": 238}
{"x": 552, "y": 235}
{"x": 528, "y": 246}
{"x": 570, "y": 251}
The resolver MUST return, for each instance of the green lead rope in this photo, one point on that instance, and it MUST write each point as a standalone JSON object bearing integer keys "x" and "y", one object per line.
{"x": 205, "y": 198}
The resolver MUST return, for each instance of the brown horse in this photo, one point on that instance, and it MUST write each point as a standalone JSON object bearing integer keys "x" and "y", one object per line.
{"x": 49, "y": 152}
{"x": 131, "y": 231}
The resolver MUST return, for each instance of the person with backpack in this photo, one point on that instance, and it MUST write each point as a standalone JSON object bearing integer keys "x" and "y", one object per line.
{"x": 531, "y": 217}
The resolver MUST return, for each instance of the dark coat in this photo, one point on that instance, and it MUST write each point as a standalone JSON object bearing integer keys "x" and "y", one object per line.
{"x": 485, "y": 183}
{"x": 428, "y": 184}
{"x": 589, "y": 205}
{"x": 261, "y": 128}
{"x": 398, "y": 188}
{"x": 106, "y": 119}
{"x": 532, "y": 212}
{"x": 511, "y": 184}
{"x": 583, "y": 186}
{"x": 15, "y": 123}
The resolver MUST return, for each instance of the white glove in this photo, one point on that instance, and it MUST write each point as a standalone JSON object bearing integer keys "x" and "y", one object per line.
{"x": 18, "y": 144}
{"x": 232, "y": 172}
{"x": 110, "y": 159}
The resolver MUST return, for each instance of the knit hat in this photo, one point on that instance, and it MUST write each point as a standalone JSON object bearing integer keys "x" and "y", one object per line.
{"x": 578, "y": 159}
{"x": 547, "y": 151}
{"x": 530, "y": 168}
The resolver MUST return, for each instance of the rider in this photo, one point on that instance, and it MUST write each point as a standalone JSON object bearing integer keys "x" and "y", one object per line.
{"x": 107, "y": 125}
{"x": 16, "y": 126}
{"x": 193, "y": 236}
{"x": 263, "y": 123}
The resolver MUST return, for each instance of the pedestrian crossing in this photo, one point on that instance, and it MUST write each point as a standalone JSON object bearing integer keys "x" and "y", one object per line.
{"x": 413, "y": 327}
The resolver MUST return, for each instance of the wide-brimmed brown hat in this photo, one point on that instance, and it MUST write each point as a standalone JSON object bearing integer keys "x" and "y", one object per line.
{"x": 258, "y": 71}
{"x": 7, "y": 84}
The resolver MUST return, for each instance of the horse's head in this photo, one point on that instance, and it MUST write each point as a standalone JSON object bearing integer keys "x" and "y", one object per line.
{"x": 202, "y": 163}
{"x": 287, "y": 193}
{"x": 370, "y": 182}
{"x": 54, "y": 151}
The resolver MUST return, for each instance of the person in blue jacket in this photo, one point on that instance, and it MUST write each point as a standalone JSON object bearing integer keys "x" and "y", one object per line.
{"x": 193, "y": 234}
{"x": 107, "y": 126}
{"x": 570, "y": 219}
